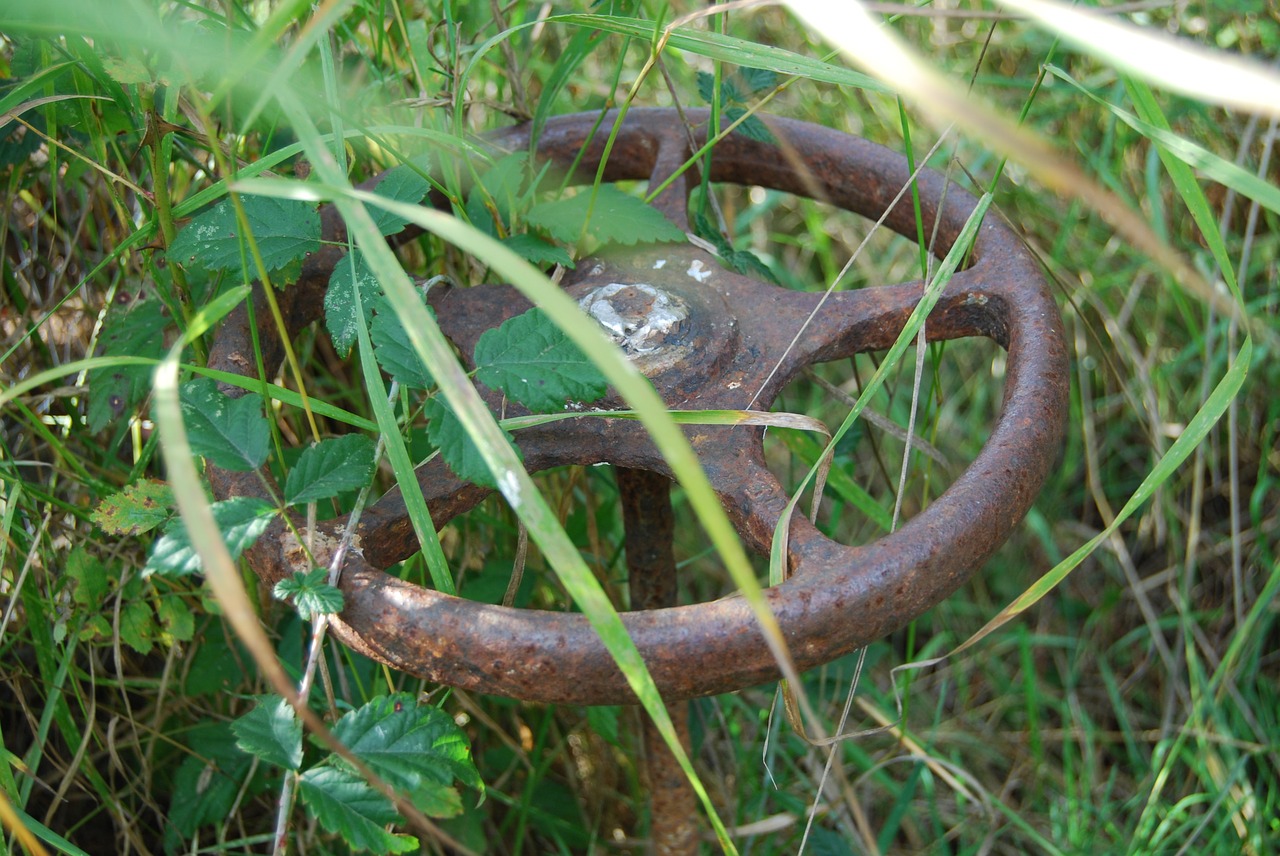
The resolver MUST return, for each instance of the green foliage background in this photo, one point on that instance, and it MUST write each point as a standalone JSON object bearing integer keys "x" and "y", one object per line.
{"x": 1132, "y": 709}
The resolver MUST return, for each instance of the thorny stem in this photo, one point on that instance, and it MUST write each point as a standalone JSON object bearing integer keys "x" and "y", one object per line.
{"x": 319, "y": 625}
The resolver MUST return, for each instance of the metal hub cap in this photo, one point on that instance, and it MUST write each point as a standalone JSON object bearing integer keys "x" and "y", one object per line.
{"x": 649, "y": 324}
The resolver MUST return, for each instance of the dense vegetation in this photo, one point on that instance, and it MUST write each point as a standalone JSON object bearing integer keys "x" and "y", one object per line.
{"x": 1128, "y": 698}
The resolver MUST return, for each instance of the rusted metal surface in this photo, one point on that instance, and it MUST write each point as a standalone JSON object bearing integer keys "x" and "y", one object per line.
{"x": 734, "y": 346}
{"x": 649, "y": 525}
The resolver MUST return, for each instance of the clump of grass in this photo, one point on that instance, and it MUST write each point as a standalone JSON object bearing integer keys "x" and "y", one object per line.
{"x": 1126, "y": 707}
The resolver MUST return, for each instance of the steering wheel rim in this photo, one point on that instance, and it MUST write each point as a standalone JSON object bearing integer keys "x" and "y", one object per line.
{"x": 838, "y": 597}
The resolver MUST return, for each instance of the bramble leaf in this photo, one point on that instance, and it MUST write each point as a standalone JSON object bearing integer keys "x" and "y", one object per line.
{"x": 456, "y": 446}
{"x": 136, "y": 329}
{"x": 752, "y": 127}
{"x": 137, "y": 625}
{"x": 536, "y": 251}
{"x": 405, "y": 183}
{"x": 346, "y": 805}
{"x": 92, "y": 578}
{"x": 615, "y": 218}
{"x": 130, "y": 71}
{"x": 340, "y": 316}
{"x": 497, "y": 193}
{"x": 706, "y": 82}
{"x": 393, "y": 352}
{"x": 415, "y": 747}
{"x": 534, "y": 363}
{"x": 240, "y": 520}
{"x": 744, "y": 262}
{"x": 330, "y": 467}
{"x": 757, "y": 80}
{"x": 139, "y": 508}
{"x": 734, "y": 99}
{"x": 286, "y": 231}
{"x": 230, "y": 432}
{"x": 272, "y": 731}
{"x": 312, "y": 595}
{"x": 208, "y": 780}
{"x": 176, "y": 621}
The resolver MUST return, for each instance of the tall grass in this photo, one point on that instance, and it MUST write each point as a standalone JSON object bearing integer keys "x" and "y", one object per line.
{"x": 1108, "y": 682}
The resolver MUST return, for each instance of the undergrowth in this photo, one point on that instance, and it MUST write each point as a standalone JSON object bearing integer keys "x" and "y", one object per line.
{"x": 1127, "y": 701}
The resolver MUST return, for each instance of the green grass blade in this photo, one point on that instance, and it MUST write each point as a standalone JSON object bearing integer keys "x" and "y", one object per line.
{"x": 705, "y": 43}
{"x": 512, "y": 480}
{"x": 1181, "y": 66}
{"x": 1191, "y": 437}
{"x": 881, "y": 51}
{"x": 719, "y": 46}
{"x": 1156, "y": 129}
{"x": 961, "y": 247}
{"x": 401, "y": 464}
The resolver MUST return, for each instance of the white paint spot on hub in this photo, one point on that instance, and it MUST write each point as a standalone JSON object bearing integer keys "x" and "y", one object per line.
{"x": 637, "y": 316}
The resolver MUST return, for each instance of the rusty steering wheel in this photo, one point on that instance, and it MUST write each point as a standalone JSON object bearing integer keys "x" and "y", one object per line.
{"x": 711, "y": 339}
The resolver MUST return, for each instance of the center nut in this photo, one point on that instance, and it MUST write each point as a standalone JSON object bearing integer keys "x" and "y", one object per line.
{"x": 649, "y": 324}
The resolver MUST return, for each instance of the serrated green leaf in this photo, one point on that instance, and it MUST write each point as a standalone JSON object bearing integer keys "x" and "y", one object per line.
{"x": 208, "y": 779}
{"x": 748, "y": 263}
{"x": 456, "y": 447}
{"x": 757, "y": 80}
{"x": 137, "y": 625}
{"x": 536, "y": 251}
{"x": 286, "y": 231}
{"x": 312, "y": 595}
{"x": 479, "y": 215}
{"x": 272, "y": 731}
{"x": 534, "y": 363}
{"x": 176, "y": 620}
{"x": 497, "y": 194}
{"x": 241, "y": 520}
{"x": 752, "y": 127}
{"x": 330, "y": 467}
{"x": 319, "y": 599}
{"x": 136, "y": 329}
{"x": 91, "y": 576}
{"x": 413, "y": 746}
{"x": 437, "y": 801}
{"x": 404, "y": 183}
{"x": 744, "y": 262}
{"x": 393, "y": 351}
{"x": 95, "y": 627}
{"x": 231, "y": 432}
{"x": 126, "y": 70}
{"x": 706, "y": 86}
{"x": 345, "y": 805}
{"x": 340, "y": 316}
{"x": 615, "y": 218}
{"x": 139, "y": 508}
{"x": 290, "y": 586}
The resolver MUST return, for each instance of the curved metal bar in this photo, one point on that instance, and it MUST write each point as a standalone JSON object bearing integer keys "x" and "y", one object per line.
{"x": 838, "y": 597}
